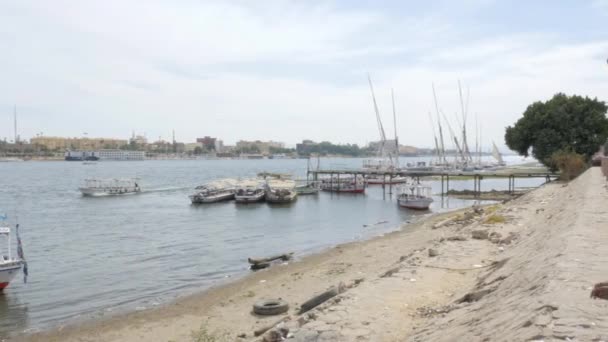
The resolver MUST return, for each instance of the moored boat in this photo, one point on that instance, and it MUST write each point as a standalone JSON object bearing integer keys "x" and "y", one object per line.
{"x": 381, "y": 179}
{"x": 249, "y": 191}
{"x": 9, "y": 265}
{"x": 281, "y": 191}
{"x": 215, "y": 191}
{"x": 351, "y": 184}
{"x": 104, "y": 187}
{"x": 415, "y": 197}
{"x": 306, "y": 187}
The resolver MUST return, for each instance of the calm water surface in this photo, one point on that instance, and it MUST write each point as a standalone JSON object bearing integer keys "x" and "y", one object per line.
{"x": 90, "y": 257}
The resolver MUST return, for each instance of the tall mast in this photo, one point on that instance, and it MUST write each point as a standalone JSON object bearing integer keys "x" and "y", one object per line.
{"x": 454, "y": 138}
{"x": 395, "y": 125}
{"x": 465, "y": 145}
{"x": 378, "y": 120}
{"x": 15, "y": 118}
{"x": 477, "y": 137}
{"x": 435, "y": 137}
{"x": 439, "y": 123}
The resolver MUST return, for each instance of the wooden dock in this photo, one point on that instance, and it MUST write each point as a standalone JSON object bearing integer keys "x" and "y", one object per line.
{"x": 476, "y": 176}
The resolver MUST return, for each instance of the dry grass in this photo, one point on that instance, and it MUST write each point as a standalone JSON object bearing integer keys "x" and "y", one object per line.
{"x": 495, "y": 219}
{"x": 570, "y": 164}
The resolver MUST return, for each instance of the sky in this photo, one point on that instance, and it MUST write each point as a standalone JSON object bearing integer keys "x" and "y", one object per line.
{"x": 288, "y": 70}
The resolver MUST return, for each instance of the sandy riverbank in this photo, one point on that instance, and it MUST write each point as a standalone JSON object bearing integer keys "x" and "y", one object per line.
{"x": 527, "y": 277}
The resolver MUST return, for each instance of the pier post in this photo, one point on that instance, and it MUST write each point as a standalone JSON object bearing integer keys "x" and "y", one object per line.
{"x": 475, "y": 185}
{"x": 447, "y": 189}
{"x": 338, "y": 182}
{"x": 442, "y": 193}
{"x": 390, "y": 185}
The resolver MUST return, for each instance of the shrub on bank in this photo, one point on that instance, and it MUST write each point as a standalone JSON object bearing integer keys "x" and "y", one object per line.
{"x": 570, "y": 164}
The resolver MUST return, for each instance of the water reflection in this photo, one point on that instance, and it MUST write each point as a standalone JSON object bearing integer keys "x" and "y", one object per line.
{"x": 14, "y": 315}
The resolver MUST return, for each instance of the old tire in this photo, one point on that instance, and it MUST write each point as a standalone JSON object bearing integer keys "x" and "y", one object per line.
{"x": 269, "y": 307}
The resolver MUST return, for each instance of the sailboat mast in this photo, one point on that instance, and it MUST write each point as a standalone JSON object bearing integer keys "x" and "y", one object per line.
{"x": 395, "y": 125}
{"x": 465, "y": 145}
{"x": 435, "y": 138}
{"x": 378, "y": 120}
{"x": 15, "y": 118}
{"x": 477, "y": 136}
{"x": 439, "y": 123}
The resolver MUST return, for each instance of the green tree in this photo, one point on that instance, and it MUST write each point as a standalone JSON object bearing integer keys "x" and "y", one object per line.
{"x": 564, "y": 123}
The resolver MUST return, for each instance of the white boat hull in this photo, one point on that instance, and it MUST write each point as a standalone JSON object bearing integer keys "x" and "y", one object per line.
{"x": 286, "y": 198}
{"x": 249, "y": 198}
{"x": 8, "y": 272}
{"x": 421, "y": 203}
{"x": 107, "y": 192}
{"x": 388, "y": 180}
{"x": 211, "y": 199}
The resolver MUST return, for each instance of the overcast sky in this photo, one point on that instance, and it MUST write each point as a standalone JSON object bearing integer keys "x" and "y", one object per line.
{"x": 289, "y": 70}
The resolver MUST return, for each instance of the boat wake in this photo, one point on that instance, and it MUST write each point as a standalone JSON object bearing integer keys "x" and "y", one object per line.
{"x": 170, "y": 189}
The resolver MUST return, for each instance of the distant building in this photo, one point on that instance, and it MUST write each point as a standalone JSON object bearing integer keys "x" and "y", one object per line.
{"x": 208, "y": 142}
{"x": 389, "y": 146}
{"x": 219, "y": 146}
{"x": 306, "y": 147}
{"x": 139, "y": 140}
{"x": 88, "y": 144}
{"x": 258, "y": 146}
{"x": 190, "y": 147}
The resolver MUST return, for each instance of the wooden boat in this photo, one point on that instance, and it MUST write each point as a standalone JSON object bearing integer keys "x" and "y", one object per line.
{"x": 281, "y": 191}
{"x": 415, "y": 197}
{"x": 104, "y": 187}
{"x": 216, "y": 191}
{"x": 249, "y": 191}
{"x": 347, "y": 184}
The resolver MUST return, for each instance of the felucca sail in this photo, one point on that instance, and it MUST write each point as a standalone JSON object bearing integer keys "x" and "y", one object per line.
{"x": 496, "y": 154}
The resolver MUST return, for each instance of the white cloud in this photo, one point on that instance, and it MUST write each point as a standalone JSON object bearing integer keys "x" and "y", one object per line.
{"x": 280, "y": 70}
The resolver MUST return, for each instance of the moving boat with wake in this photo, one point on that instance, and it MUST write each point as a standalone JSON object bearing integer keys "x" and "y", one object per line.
{"x": 105, "y": 187}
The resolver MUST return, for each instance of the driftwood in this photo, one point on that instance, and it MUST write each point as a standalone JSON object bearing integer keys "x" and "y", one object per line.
{"x": 259, "y": 266}
{"x": 390, "y": 272}
{"x": 265, "y": 328}
{"x": 283, "y": 257}
{"x": 324, "y": 296}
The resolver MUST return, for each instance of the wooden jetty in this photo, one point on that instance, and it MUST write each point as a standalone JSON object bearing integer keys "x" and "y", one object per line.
{"x": 476, "y": 176}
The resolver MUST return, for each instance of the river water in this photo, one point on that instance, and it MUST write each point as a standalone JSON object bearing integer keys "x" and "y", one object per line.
{"x": 90, "y": 257}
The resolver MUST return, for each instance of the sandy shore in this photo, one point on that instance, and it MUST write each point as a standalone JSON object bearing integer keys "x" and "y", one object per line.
{"x": 516, "y": 271}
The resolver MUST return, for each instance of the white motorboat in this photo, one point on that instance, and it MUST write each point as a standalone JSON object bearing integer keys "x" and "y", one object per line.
{"x": 415, "y": 197}
{"x": 9, "y": 265}
{"x": 249, "y": 191}
{"x": 216, "y": 191}
{"x": 281, "y": 191}
{"x": 307, "y": 187}
{"x": 104, "y": 187}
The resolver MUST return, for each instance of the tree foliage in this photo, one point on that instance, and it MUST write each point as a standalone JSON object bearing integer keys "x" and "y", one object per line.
{"x": 325, "y": 148}
{"x": 564, "y": 123}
